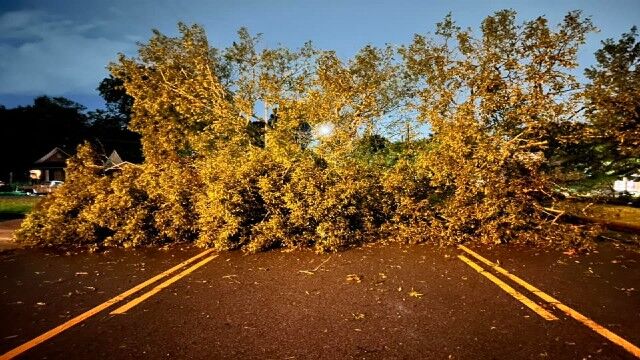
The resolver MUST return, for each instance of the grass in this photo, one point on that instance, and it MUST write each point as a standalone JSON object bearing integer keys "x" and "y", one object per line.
{"x": 13, "y": 207}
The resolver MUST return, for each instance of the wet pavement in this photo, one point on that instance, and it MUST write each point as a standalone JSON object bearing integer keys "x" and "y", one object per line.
{"x": 374, "y": 302}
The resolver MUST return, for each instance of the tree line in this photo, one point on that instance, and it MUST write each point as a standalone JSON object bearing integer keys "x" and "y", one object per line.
{"x": 254, "y": 147}
{"x": 32, "y": 131}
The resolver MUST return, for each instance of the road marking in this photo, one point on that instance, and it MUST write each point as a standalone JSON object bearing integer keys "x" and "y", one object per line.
{"x": 123, "y": 309}
{"x": 611, "y": 336}
{"x": 82, "y": 317}
{"x": 509, "y": 290}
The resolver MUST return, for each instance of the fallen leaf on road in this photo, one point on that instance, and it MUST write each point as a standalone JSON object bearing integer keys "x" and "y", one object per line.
{"x": 415, "y": 294}
{"x": 232, "y": 278}
{"x": 358, "y": 316}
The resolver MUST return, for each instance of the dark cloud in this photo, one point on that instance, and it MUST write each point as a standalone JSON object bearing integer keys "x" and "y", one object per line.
{"x": 62, "y": 47}
{"x": 41, "y": 52}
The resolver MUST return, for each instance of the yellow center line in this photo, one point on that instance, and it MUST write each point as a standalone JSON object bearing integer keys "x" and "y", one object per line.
{"x": 122, "y": 309}
{"x": 611, "y": 336}
{"x": 82, "y": 317}
{"x": 509, "y": 290}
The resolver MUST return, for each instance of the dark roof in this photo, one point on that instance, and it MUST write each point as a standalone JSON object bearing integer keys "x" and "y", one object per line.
{"x": 56, "y": 156}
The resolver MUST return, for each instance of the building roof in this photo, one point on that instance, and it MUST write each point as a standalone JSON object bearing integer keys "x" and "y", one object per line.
{"x": 113, "y": 160}
{"x": 119, "y": 166}
{"x": 56, "y": 156}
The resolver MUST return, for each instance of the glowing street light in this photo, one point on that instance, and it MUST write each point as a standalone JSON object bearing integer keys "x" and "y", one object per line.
{"x": 323, "y": 130}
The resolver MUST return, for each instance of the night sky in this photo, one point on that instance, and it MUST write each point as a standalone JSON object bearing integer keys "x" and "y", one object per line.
{"x": 61, "y": 48}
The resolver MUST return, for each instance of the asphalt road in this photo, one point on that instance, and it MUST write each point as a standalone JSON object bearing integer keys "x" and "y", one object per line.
{"x": 376, "y": 302}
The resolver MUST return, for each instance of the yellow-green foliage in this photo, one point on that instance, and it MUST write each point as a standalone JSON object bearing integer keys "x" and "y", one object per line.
{"x": 62, "y": 217}
{"x": 123, "y": 212}
{"x": 495, "y": 104}
{"x": 312, "y": 167}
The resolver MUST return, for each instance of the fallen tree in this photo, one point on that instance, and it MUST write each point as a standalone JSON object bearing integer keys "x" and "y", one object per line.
{"x": 336, "y": 158}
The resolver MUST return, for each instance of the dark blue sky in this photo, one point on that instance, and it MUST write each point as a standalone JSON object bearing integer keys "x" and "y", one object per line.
{"x": 61, "y": 47}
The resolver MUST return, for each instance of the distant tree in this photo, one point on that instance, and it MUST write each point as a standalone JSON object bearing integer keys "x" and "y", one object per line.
{"x": 29, "y": 132}
{"x": 119, "y": 103}
{"x": 613, "y": 104}
{"x": 107, "y": 133}
{"x": 109, "y": 128}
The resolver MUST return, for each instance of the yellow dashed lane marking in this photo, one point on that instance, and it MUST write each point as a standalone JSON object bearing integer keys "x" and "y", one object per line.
{"x": 611, "y": 336}
{"x": 123, "y": 309}
{"x": 84, "y": 316}
{"x": 509, "y": 290}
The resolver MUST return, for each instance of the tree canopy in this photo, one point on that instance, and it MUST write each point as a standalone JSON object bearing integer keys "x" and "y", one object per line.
{"x": 613, "y": 104}
{"x": 254, "y": 147}
{"x": 32, "y": 131}
{"x": 29, "y": 132}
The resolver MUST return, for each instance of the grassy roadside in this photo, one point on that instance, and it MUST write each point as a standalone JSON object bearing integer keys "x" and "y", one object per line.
{"x": 14, "y": 207}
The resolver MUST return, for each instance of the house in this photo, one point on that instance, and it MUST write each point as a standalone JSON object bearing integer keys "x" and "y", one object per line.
{"x": 631, "y": 186}
{"x": 50, "y": 167}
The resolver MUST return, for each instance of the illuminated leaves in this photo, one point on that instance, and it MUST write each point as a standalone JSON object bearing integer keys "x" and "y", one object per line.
{"x": 494, "y": 103}
{"x": 255, "y": 148}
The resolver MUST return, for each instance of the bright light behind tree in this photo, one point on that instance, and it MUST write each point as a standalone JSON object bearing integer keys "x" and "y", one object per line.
{"x": 323, "y": 130}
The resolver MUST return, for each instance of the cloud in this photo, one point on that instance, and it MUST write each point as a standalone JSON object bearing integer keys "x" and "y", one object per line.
{"x": 42, "y": 53}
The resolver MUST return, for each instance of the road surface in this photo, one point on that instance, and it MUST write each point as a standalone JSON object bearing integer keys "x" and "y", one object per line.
{"x": 374, "y": 302}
